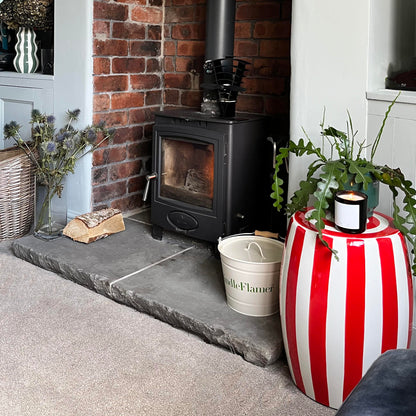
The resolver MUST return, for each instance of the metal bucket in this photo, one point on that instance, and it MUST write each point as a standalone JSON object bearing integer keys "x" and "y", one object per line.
{"x": 251, "y": 269}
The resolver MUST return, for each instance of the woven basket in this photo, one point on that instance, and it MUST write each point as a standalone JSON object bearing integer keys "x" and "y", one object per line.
{"x": 17, "y": 194}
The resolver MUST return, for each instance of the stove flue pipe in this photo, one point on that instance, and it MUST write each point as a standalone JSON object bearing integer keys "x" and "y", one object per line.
{"x": 220, "y": 22}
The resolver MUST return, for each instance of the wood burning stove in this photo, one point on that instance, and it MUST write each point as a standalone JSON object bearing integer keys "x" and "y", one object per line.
{"x": 212, "y": 169}
{"x": 209, "y": 174}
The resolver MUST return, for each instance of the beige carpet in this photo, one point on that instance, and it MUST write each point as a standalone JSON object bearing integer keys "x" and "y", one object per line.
{"x": 65, "y": 350}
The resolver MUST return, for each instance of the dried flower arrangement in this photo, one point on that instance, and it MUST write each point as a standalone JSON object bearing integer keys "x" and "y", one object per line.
{"x": 54, "y": 153}
{"x": 36, "y": 14}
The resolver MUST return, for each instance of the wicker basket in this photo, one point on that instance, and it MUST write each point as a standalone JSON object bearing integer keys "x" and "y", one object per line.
{"x": 17, "y": 194}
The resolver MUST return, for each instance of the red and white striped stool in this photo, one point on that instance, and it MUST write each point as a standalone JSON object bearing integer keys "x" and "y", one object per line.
{"x": 339, "y": 316}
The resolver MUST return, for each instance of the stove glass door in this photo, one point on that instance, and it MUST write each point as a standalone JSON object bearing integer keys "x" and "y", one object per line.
{"x": 187, "y": 171}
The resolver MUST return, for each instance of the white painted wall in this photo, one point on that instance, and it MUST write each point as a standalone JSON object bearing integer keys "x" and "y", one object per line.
{"x": 330, "y": 46}
{"x": 73, "y": 87}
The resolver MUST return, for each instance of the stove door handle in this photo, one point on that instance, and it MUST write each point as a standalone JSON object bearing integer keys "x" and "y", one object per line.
{"x": 148, "y": 179}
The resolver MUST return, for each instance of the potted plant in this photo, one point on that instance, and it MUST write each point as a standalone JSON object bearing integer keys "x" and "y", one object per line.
{"x": 345, "y": 164}
{"x": 54, "y": 154}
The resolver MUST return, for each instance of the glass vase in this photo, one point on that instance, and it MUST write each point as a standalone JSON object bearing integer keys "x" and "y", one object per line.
{"x": 51, "y": 212}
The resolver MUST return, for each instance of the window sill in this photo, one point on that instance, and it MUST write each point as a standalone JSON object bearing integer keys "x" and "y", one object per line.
{"x": 406, "y": 97}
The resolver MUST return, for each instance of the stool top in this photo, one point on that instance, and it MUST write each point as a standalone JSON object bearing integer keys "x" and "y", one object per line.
{"x": 379, "y": 225}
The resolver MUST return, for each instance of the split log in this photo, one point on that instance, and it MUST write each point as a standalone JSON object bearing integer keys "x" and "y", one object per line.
{"x": 93, "y": 226}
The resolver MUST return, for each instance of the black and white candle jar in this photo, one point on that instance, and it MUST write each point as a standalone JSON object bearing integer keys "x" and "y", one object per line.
{"x": 351, "y": 211}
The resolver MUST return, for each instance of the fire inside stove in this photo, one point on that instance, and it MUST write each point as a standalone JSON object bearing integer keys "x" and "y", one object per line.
{"x": 188, "y": 172}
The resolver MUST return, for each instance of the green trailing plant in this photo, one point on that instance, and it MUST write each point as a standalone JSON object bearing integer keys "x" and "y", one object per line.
{"x": 345, "y": 163}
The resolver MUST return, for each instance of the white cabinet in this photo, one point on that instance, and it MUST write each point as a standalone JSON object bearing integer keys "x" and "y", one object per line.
{"x": 19, "y": 95}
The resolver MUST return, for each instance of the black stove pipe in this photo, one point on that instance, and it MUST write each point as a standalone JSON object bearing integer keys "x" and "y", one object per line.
{"x": 220, "y": 22}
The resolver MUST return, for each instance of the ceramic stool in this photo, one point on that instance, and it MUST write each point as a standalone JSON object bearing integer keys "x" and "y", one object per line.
{"x": 339, "y": 316}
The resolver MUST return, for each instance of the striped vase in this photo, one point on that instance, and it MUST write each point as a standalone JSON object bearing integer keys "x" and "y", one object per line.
{"x": 338, "y": 316}
{"x": 26, "y": 60}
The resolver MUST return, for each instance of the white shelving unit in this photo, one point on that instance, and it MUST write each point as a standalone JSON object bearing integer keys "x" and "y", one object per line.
{"x": 70, "y": 87}
{"x": 19, "y": 95}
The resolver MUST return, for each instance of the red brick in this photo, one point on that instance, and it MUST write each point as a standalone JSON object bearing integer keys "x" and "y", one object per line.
{"x": 256, "y": 11}
{"x": 250, "y": 104}
{"x": 188, "y": 31}
{"x": 127, "y": 30}
{"x": 153, "y": 65}
{"x": 277, "y": 105}
{"x": 154, "y": 32}
{"x": 118, "y": 118}
{"x": 101, "y": 66}
{"x": 171, "y": 97}
{"x": 108, "y": 192}
{"x": 105, "y": 155}
{"x": 275, "y": 86}
{"x": 269, "y": 67}
{"x": 142, "y": 115}
{"x": 245, "y": 48}
{"x": 272, "y": 30}
{"x": 191, "y": 48}
{"x": 136, "y": 184}
{"x": 286, "y": 10}
{"x": 200, "y": 13}
{"x": 145, "y": 81}
{"x": 147, "y": 14}
{"x": 148, "y": 132}
{"x": 110, "y": 11}
{"x": 169, "y": 48}
{"x": 125, "y": 170}
{"x": 187, "y": 2}
{"x": 182, "y": 81}
{"x": 187, "y": 64}
{"x": 139, "y": 149}
{"x": 101, "y": 28}
{"x": 107, "y": 83}
{"x": 275, "y": 48}
{"x": 133, "y": 1}
{"x": 179, "y": 14}
{"x": 191, "y": 98}
{"x": 110, "y": 47}
{"x": 169, "y": 64}
{"x": 145, "y": 48}
{"x": 128, "y": 134}
{"x": 99, "y": 175}
{"x": 101, "y": 102}
{"x": 127, "y": 100}
{"x": 128, "y": 65}
{"x": 153, "y": 97}
{"x": 242, "y": 30}
{"x": 128, "y": 203}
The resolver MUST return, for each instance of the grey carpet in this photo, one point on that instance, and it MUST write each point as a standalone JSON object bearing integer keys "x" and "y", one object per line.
{"x": 66, "y": 350}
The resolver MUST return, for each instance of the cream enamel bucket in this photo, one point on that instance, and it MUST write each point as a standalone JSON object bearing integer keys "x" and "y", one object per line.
{"x": 251, "y": 269}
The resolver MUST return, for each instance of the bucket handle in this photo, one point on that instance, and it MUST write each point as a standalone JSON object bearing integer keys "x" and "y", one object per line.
{"x": 258, "y": 246}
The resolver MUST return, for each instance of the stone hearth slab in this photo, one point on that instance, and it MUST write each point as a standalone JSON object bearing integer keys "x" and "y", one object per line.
{"x": 177, "y": 280}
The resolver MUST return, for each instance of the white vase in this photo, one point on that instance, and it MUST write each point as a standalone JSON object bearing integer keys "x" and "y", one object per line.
{"x": 26, "y": 60}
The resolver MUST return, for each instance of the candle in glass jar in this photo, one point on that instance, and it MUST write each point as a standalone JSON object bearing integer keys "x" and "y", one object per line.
{"x": 350, "y": 211}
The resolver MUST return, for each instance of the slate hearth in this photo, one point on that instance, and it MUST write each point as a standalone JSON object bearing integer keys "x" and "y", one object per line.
{"x": 177, "y": 280}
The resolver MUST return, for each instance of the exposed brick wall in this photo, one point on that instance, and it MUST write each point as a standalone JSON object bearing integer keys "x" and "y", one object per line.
{"x": 136, "y": 72}
{"x": 262, "y": 37}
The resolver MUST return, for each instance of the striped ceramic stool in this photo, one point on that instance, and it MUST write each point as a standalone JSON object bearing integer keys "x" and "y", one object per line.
{"x": 339, "y": 316}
